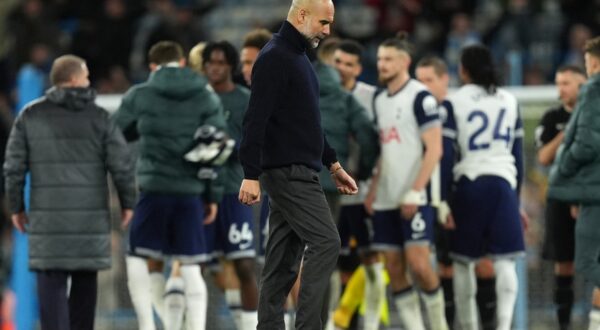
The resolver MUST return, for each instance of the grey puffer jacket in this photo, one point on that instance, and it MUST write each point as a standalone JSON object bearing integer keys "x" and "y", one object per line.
{"x": 68, "y": 145}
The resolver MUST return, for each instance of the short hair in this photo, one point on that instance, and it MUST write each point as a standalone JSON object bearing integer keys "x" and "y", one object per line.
{"x": 400, "y": 42}
{"x": 164, "y": 52}
{"x": 477, "y": 61}
{"x": 64, "y": 68}
{"x": 352, "y": 47}
{"x": 571, "y": 68}
{"x": 327, "y": 48}
{"x": 257, "y": 38}
{"x": 231, "y": 54}
{"x": 438, "y": 65}
{"x": 592, "y": 47}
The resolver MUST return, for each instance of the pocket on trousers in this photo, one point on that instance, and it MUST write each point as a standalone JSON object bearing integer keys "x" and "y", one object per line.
{"x": 303, "y": 174}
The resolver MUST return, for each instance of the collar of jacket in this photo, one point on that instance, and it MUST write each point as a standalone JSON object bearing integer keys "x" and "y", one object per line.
{"x": 71, "y": 98}
{"x": 293, "y": 37}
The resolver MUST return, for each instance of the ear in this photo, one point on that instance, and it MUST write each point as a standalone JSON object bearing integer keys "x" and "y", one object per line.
{"x": 302, "y": 14}
{"x": 182, "y": 62}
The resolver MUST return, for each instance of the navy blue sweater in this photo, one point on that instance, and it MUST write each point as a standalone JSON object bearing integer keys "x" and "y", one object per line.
{"x": 283, "y": 123}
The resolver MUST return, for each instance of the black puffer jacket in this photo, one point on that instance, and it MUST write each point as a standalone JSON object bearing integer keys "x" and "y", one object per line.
{"x": 68, "y": 145}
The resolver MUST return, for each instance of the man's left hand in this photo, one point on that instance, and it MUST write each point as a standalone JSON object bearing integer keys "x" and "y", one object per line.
{"x": 345, "y": 183}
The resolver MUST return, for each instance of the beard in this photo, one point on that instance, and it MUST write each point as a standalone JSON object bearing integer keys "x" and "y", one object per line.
{"x": 385, "y": 80}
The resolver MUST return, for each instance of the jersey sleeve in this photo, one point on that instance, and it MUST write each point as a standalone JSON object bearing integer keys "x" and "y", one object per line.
{"x": 517, "y": 149}
{"x": 426, "y": 111}
{"x": 545, "y": 131}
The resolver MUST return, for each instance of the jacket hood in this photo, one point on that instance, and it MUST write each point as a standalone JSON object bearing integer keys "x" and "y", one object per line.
{"x": 71, "y": 98}
{"x": 178, "y": 83}
{"x": 329, "y": 79}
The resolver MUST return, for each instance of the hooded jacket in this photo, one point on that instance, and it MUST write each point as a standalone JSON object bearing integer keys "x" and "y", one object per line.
{"x": 68, "y": 145}
{"x": 575, "y": 174}
{"x": 344, "y": 118}
{"x": 163, "y": 114}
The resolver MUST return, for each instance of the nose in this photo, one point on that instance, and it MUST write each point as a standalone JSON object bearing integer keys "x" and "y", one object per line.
{"x": 327, "y": 30}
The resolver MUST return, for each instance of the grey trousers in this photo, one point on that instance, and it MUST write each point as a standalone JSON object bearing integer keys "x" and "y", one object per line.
{"x": 300, "y": 224}
{"x": 587, "y": 243}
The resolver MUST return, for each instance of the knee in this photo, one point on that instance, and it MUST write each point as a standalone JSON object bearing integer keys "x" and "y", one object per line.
{"x": 244, "y": 269}
{"x": 419, "y": 266}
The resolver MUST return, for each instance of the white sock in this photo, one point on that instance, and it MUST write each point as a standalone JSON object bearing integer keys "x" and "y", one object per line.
{"x": 233, "y": 298}
{"x": 407, "y": 304}
{"x": 138, "y": 282}
{"x": 249, "y": 320}
{"x": 288, "y": 320}
{"x": 506, "y": 292}
{"x": 465, "y": 288}
{"x": 434, "y": 304}
{"x": 174, "y": 303}
{"x": 157, "y": 289}
{"x": 374, "y": 295}
{"x": 594, "y": 319}
{"x": 196, "y": 297}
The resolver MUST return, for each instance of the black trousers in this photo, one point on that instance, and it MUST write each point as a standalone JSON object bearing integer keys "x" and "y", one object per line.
{"x": 300, "y": 224}
{"x": 64, "y": 308}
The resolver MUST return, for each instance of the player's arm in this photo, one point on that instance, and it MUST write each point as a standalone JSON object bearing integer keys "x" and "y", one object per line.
{"x": 546, "y": 143}
{"x": 373, "y": 187}
{"x": 517, "y": 152}
{"x": 432, "y": 139}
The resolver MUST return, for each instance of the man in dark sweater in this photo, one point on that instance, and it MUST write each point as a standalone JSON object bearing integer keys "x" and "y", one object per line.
{"x": 284, "y": 144}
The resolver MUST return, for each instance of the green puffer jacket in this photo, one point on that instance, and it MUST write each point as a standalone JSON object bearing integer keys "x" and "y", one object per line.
{"x": 575, "y": 175}
{"x": 342, "y": 117}
{"x": 164, "y": 113}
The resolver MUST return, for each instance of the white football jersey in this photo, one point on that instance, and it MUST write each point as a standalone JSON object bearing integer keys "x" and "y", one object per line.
{"x": 401, "y": 118}
{"x": 486, "y": 128}
{"x": 364, "y": 94}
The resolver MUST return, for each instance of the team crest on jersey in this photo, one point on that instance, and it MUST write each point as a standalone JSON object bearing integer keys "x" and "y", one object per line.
{"x": 430, "y": 106}
{"x": 387, "y": 135}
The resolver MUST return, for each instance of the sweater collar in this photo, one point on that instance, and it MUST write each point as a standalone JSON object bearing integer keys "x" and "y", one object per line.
{"x": 294, "y": 37}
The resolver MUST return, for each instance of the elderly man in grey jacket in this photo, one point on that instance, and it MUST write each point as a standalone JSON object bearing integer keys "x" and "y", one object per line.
{"x": 68, "y": 145}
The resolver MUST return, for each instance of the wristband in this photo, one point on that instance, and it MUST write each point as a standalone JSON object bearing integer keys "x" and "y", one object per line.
{"x": 413, "y": 197}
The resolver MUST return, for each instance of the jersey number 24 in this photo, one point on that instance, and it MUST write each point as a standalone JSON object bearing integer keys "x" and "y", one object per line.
{"x": 501, "y": 132}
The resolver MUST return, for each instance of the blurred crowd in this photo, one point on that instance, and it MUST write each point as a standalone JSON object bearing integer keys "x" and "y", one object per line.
{"x": 529, "y": 38}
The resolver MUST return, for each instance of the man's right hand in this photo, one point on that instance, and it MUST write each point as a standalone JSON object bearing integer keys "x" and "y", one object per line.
{"x": 19, "y": 220}
{"x": 249, "y": 192}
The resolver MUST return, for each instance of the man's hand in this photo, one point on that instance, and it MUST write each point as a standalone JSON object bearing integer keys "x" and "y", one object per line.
{"x": 574, "y": 211}
{"x": 450, "y": 224}
{"x": 345, "y": 183}
{"x": 210, "y": 213}
{"x": 19, "y": 220}
{"x": 249, "y": 192}
{"x": 369, "y": 200}
{"x": 408, "y": 211}
{"x": 126, "y": 216}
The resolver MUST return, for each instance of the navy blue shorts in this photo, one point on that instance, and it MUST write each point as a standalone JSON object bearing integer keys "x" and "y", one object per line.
{"x": 169, "y": 225}
{"x": 232, "y": 233}
{"x": 392, "y": 232}
{"x": 354, "y": 227}
{"x": 488, "y": 222}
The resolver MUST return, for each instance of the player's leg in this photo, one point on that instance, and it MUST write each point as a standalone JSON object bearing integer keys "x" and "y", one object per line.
{"x": 563, "y": 238}
{"x": 157, "y": 287}
{"x": 147, "y": 240}
{"x": 445, "y": 271}
{"x": 188, "y": 245}
{"x": 388, "y": 238}
{"x": 418, "y": 236}
{"x": 467, "y": 246}
{"x": 595, "y": 311}
{"x": 506, "y": 241}
{"x": 235, "y": 229}
{"x": 486, "y": 293}
{"x": 375, "y": 283}
{"x": 82, "y": 299}
{"x": 174, "y": 298}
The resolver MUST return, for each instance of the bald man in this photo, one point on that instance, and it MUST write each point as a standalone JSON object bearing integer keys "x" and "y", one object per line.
{"x": 283, "y": 144}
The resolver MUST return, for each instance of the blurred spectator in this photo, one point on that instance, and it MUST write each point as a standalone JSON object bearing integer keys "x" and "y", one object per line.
{"x": 6, "y": 7}
{"x": 32, "y": 77}
{"x": 461, "y": 35}
{"x": 578, "y": 34}
{"x": 105, "y": 41}
{"x": 32, "y": 24}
